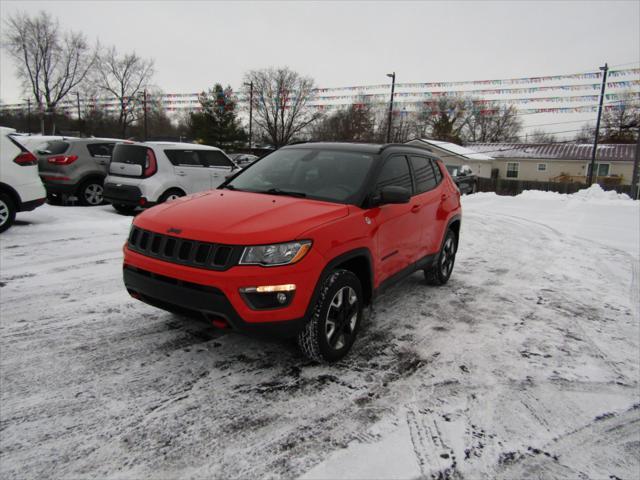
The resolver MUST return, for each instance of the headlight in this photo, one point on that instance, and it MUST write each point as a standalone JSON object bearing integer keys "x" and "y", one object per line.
{"x": 278, "y": 254}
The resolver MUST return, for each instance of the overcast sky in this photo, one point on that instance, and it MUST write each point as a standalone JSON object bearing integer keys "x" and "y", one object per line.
{"x": 195, "y": 44}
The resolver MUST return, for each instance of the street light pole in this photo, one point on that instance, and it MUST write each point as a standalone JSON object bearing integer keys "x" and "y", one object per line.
{"x": 393, "y": 87}
{"x": 604, "y": 69}
{"x": 250, "y": 116}
{"x": 144, "y": 105}
{"x": 29, "y": 116}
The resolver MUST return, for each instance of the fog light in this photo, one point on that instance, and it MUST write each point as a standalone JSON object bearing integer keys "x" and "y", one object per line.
{"x": 281, "y": 297}
{"x": 268, "y": 296}
{"x": 289, "y": 287}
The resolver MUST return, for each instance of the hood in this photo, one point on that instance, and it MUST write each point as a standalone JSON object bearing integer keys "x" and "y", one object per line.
{"x": 240, "y": 218}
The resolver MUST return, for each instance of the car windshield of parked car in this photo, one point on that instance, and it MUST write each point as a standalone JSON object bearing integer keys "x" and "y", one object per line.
{"x": 330, "y": 175}
{"x": 453, "y": 170}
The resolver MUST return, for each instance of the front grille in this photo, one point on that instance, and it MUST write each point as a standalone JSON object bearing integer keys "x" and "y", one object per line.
{"x": 210, "y": 256}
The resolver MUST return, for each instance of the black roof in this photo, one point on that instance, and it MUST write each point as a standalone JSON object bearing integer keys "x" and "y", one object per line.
{"x": 351, "y": 146}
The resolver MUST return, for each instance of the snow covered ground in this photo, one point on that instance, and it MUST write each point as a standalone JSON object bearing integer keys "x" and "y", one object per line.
{"x": 525, "y": 365}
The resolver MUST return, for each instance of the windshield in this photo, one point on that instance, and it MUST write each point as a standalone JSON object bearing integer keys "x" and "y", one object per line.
{"x": 329, "y": 175}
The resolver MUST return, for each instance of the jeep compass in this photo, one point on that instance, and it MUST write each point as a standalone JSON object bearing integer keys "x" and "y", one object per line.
{"x": 299, "y": 243}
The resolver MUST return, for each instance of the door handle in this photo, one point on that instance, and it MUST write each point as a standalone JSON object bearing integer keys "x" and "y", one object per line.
{"x": 415, "y": 208}
{"x": 182, "y": 174}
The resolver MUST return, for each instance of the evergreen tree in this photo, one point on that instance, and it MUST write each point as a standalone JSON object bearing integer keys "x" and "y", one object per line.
{"x": 217, "y": 124}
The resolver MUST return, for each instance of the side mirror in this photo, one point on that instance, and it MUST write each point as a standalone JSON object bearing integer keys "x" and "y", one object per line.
{"x": 391, "y": 194}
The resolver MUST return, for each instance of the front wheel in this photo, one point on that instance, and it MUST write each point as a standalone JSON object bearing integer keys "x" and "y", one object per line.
{"x": 7, "y": 212}
{"x": 170, "y": 195}
{"x": 337, "y": 314}
{"x": 124, "y": 209}
{"x": 440, "y": 271}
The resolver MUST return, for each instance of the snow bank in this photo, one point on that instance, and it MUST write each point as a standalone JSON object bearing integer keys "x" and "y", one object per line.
{"x": 593, "y": 194}
{"x": 608, "y": 218}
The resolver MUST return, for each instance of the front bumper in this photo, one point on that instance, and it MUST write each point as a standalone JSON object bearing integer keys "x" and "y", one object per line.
{"x": 216, "y": 294}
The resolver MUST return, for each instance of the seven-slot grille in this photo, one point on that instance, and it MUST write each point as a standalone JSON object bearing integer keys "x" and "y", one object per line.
{"x": 212, "y": 256}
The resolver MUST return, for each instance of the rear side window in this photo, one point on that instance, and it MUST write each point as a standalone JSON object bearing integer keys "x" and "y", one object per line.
{"x": 436, "y": 168}
{"x": 52, "y": 147}
{"x": 132, "y": 154}
{"x": 424, "y": 173}
{"x": 395, "y": 172}
{"x": 103, "y": 150}
{"x": 213, "y": 158}
{"x": 184, "y": 158}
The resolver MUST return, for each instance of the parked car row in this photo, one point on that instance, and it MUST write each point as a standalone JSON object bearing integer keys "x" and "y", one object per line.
{"x": 94, "y": 170}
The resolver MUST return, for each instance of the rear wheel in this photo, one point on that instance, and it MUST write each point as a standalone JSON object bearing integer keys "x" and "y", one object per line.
{"x": 91, "y": 192}
{"x": 337, "y": 314}
{"x": 441, "y": 270}
{"x": 170, "y": 195}
{"x": 7, "y": 212}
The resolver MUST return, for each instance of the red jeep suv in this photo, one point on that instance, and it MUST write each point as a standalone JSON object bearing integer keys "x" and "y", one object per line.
{"x": 300, "y": 242}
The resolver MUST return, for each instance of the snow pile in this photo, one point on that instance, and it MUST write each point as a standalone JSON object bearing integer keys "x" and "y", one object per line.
{"x": 593, "y": 194}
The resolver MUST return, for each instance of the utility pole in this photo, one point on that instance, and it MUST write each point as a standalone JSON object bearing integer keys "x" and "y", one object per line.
{"x": 78, "y": 104}
{"x": 592, "y": 172}
{"x": 144, "y": 105}
{"x": 29, "y": 116}
{"x": 393, "y": 87}
{"x": 635, "y": 191}
{"x": 250, "y": 116}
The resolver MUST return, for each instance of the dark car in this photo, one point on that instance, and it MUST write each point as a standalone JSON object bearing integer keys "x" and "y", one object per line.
{"x": 466, "y": 181}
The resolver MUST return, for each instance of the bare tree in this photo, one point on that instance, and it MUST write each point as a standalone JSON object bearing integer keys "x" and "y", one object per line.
{"x": 444, "y": 119}
{"x": 491, "y": 125}
{"x": 353, "y": 124}
{"x": 620, "y": 124}
{"x": 586, "y": 134}
{"x": 50, "y": 63}
{"x": 281, "y": 103}
{"x": 124, "y": 77}
{"x": 541, "y": 136}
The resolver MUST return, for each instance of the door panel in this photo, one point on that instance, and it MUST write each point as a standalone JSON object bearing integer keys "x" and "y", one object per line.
{"x": 398, "y": 233}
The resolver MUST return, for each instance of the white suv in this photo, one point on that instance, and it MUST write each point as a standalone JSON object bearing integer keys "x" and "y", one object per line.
{"x": 144, "y": 174}
{"x": 21, "y": 189}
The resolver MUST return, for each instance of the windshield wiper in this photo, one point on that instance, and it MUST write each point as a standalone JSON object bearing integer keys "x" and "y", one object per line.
{"x": 228, "y": 187}
{"x": 277, "y": 191}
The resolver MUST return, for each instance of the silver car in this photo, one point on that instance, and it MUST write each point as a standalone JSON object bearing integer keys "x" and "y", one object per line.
{"x": 72, "y": 167}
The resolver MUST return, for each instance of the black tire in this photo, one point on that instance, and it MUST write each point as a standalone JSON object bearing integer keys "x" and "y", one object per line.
{"x": 124, "y": 209}
{"x": 440, "y": 272}
{"x": 332, "y": 329}
{"x": 170, "y": 195}
{"x": 91, "y": 192}
{"x": 7, "y": 212}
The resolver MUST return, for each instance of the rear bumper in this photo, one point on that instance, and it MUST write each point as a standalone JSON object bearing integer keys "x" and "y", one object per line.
{"x": 58, "y": 184}
{"x": 123, "y": 194}
{"x": 198, "y": 300}
{"x": 32, "y": 204}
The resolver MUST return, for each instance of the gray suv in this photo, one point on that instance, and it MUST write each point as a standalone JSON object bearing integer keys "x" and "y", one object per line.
{"x": 73, "y": 167}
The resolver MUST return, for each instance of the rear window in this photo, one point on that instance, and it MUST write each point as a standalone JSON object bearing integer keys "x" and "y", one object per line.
{"x": 52, "y": 147}
{"x": 132, "y": 154}
{"x": 100, "y": 149}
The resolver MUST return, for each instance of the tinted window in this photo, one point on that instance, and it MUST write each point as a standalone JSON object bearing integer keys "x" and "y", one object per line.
{"x": 53, "y": 147}
{"x": 185, "y": 158}
{"x": 436, "y": 168}
{"x": 395, "y": 172}
{"x": 100, "y": 149}
{"x": 424, "y": 174}
{"x": 330, "y": 175}
{"x": 132, "y": 154}
{"x": 212, "y": 158}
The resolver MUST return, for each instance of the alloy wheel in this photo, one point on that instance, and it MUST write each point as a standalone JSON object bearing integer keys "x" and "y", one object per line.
{"x": 342, "y": 317}
{"x": 4, "y": 212}
{"x": 93, "y": 193}
{"x": 447, "y": 257}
